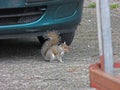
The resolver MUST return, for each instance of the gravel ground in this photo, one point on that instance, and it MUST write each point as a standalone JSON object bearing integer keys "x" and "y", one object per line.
{"x": 23, "y": 68}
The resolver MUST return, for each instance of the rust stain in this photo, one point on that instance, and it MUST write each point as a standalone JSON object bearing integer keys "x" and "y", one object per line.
{"x": 72, "y": 69}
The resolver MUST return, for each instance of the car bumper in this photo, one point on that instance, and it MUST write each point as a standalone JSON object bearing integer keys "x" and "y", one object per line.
{"x": 59, "y": 15}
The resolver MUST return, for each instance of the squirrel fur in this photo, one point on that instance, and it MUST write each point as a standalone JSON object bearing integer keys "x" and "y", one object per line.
{"x": 51, "y": 50}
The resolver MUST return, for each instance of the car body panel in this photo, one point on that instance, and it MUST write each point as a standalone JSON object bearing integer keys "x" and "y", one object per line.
{"x": 61, "y": 15}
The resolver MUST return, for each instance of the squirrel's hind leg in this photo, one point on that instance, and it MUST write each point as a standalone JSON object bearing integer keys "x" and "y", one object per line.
{"x": 52, "y": 58}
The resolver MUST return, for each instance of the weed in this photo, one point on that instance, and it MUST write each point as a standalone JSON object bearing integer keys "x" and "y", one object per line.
{"x": 92, "y": 5}
{"x": 114, "y": 6}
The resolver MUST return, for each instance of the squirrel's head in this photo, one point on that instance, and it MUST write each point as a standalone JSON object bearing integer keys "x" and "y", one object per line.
{"x": 65, "y": 47}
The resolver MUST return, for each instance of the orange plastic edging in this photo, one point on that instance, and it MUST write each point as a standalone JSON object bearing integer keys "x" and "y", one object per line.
{"x": 102, "y": 62}
{"x": 117, "y": 64}
{"x": 101, "y": 80}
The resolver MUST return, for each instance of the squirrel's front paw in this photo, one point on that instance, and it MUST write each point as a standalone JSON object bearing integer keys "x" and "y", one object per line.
{"x": 61, "y": 61}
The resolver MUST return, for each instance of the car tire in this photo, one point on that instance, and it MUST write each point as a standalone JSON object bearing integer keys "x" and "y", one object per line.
{"x": 67, "y": 37}
{"x": 41, "y": 40}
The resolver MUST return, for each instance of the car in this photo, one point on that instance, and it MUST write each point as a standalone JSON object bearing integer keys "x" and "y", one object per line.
{"x": 32, "y": 18}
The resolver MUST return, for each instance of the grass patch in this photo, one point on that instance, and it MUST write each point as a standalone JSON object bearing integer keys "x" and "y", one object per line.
{"x": 114, "y": 6}
{"x": 92, "y": 5}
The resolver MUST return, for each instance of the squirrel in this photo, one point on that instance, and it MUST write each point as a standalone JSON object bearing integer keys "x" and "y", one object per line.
{"x": 52, "y": 49}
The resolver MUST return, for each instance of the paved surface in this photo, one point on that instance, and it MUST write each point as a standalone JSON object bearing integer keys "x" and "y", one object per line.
{"x": 23, "y": 68}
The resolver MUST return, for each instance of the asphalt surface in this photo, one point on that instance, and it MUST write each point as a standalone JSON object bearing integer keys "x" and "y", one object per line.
{"x": 23, "y": 68}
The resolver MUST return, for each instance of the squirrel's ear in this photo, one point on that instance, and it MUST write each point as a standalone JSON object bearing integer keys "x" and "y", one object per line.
{"x": 64, "y": 42}
{"x": 59, "y": 45}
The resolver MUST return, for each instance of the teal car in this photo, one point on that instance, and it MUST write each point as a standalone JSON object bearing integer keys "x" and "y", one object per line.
{"x": 32, "y": 18}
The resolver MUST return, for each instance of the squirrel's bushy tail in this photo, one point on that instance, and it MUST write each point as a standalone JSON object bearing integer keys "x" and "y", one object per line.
{"x": 53, "y": 38}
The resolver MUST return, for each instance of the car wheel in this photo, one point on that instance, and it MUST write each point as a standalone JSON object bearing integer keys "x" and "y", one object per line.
{"x": 67, "y": 37}
{"x": 41, "y": 40}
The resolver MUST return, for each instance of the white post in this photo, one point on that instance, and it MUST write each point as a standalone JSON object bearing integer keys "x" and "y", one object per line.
{"x": 105, "y": 37}
{"x": 99, "y": 23}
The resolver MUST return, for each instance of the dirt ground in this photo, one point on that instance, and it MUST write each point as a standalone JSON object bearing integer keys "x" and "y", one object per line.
{"x": 23, "y": 68}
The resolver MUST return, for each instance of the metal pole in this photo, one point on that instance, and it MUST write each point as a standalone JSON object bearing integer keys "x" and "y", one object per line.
{"x": 99, "y": 23}
{"x": 106, "y": 37}
{"x": 100, "y": 38}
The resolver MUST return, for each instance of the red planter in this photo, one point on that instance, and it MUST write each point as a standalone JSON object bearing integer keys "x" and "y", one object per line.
{"x": 101, "y": 80}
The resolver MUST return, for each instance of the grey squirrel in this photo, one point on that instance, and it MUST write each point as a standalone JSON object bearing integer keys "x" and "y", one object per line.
{"x": 51, "y": 49}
